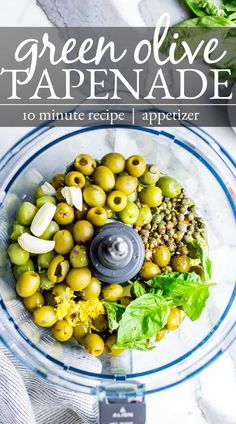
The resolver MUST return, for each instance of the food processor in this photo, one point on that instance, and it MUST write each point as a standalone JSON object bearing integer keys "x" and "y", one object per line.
{"x": 121, "y": 383}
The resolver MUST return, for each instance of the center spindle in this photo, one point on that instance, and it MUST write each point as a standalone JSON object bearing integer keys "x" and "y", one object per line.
{"x": 116, "y": 253}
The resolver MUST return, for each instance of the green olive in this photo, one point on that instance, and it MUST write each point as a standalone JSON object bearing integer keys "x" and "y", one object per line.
{"x": 109, "y": 212}
{"x": 17, "y": 230}
{"x": 62, "y": 331}
{"x": 160, "y": 335}
{"x": 104, "y": 178}
{"x": 169, "y": 186}
{"x": 64, "y": 214}
{"x": 58, "y": 269}
{"x": 58, "y": 181}
{"x": 161, "y": 256}
{"x": 197, "y": 269}
{"x": 75, "y": 179}
{"x": 18, "y": 270}
{"x": 44, "y": 199}
{"x": 85, "y": 164}
{"x": 63, "y": 242}
{"x": 174, "y": 319}
{"x": 26, "y": 213}
{"x": 135, "y": 166}
{"x": 112, "y": 292}
{"x": 151, "y": 196}
{"x": 62, "y": 290}
{"x": 44, "y": 259}
{"x": 59, "y": 196}
{"x": 79, "y": 256}
{"x": 115, "y": 162}
{"x": 180, "y": 263}
{"x": 109, "y": 343}
{"x": 93, "y": 290}
{"x": 97, "y": 216}
{"x": 39, "y": 193}
{"x": 117, "y": 200}
{"x": 100, "y": 324}
{"x": 78, "y": 278}
{"x": 51, "y": 229}
{"x": 94, "y": 195}
{"x": 17, "y": 255}
{"x": 83, "y": 231}
{"x": 45, "y": 316}
{"x": 129, "y": 214}
{"x": 34, "y": 301}
{"x": 144, "y": 216}
{"x": 28, "y": 284}
{"x": 80, "y": 331}
{"x": 81, "y": 214}
{"x": 133, "y": 197}
{"x": 150, "y": 176}
{"x": 94, "y": 344}
{"x": 126, "y": 183}
{"x": 149, "y": 270}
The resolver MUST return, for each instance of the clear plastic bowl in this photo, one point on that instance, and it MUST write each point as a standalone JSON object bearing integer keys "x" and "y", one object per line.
{"x": 207, "y": 173}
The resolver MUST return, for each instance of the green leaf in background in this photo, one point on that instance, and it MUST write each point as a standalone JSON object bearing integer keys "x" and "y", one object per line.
{"x": 207, "y": 22}
{"x": 198, "y": 250}
{"x": 183, "y": 289}
{"x": 114, "y": 312}
{"x": 138, "y": 289}
{"x": 203, "y": 7}
{"x": 229, "y": 5}
{"x": 143, "y": 318}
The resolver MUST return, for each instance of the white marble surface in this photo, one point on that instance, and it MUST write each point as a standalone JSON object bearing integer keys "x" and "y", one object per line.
{"x": 209, "y": 397}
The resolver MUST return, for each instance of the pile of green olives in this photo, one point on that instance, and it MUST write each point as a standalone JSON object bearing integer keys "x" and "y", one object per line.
{"x": 129, "y": 190}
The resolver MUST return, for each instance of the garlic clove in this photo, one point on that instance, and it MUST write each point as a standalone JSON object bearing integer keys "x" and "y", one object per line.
{"x": 73, "y": 196}
{"x": 48, "y": 189}
{"x": 42, "y": 219}
{"x": 35, "y": 245}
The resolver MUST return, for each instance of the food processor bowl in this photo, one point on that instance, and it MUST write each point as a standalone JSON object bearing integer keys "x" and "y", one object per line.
{"x": 208, "y": 175}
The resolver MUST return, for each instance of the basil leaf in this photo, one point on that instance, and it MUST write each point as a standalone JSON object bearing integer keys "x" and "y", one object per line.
{"x": 229, "y": 5}
{"x": 207, "y": 22}
{"x": 142, "y": 319}
{"x": 138, "y": 289}
{"x": 114, "y": 312}
{"x": 194, "y": 301}
{"x": 204, "y": 7}
{"x": 135, "y": 344}
{"x": 198, "y": 250}
{"x": 183, "y": 289}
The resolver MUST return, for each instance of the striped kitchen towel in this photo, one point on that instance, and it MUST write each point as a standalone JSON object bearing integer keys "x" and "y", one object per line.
{"x": 26, "y": 398}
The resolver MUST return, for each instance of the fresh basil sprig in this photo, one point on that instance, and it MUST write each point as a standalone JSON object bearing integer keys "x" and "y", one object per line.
{"x": 142, "y": 320}
{"x": 137, "y": 289}
{"x": 114, "y": 312}
{"x": 198, "y": 250}
{"x": 183, "y": 289}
